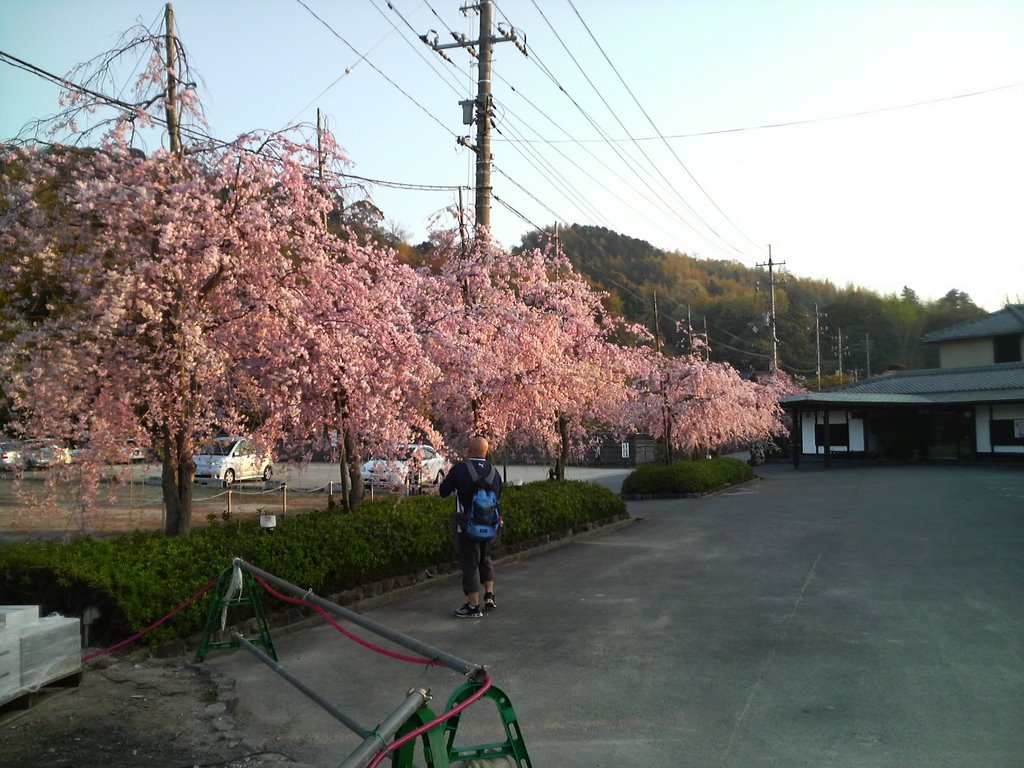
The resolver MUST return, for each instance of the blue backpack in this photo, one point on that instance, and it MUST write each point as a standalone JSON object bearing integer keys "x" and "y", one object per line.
{"x": 483, "y": 518}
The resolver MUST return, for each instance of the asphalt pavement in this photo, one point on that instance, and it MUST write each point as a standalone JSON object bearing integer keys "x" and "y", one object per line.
{"x": 863, "y": 616}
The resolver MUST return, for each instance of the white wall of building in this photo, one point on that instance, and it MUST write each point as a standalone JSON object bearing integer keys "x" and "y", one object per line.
{"x": 985, "y": 415}
{"x": 856, "y": 430}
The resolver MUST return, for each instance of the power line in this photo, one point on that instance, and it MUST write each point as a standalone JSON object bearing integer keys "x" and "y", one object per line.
{"x": 629, "y": 162}
{"x": 416, "y": 49}
{"x": 807, "y": 121}
{"x": 651, "y": 121}
{"x": 67, "y": 84}
{"x": 554, "y": 145}
{"x": 348, "y": 71}
{"x": 622, "y": 125}
{"x": 376, "y": 68}
{"x": 402, "y": 184}
{"x": 208, "y": 140}
{"x": 558, "y": 180}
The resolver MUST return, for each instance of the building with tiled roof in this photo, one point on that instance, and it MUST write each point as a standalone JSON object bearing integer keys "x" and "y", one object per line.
{"x": 971, "y": 407}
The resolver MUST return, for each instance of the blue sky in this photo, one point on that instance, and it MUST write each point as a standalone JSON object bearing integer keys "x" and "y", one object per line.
{"x": 929, "y": 196}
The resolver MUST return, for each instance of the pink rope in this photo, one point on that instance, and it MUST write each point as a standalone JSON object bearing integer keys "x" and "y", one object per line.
{"x": 414, "y": 734}
{"x": 345, "y": 632}
{"x": 417, "y": 732}
{"x": 155, "y": 624}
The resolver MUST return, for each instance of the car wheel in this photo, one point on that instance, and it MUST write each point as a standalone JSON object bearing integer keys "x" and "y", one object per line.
{"x": 229, "y": 476}
{"x": 268, "y": 473}
{"x": 440, "y": 477}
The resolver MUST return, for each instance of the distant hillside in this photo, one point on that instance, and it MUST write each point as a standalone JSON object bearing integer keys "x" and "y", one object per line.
{"x": 733, "y": 302}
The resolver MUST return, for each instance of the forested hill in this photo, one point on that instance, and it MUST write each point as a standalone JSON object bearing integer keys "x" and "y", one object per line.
{"x": 732, "y": 301}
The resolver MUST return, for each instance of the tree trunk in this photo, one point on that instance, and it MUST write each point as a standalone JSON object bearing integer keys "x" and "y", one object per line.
{"x": 346, "y": 490}
{"x": 354, "y": 462}
{"x": 667, "y": 416}
{"x": 177, "y": 474}
{"x": 563, "y": 450}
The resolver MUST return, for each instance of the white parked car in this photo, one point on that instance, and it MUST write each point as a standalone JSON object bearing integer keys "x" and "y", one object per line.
{"x": 231, "y": 459}
{"x": 130, "y": 452}
{"x": 416, "y": 465}
{"x": 12, "y": 456}
{"x": 43, "y": 454}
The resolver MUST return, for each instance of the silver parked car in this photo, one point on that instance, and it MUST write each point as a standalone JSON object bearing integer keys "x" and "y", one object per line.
{"x": 43, "y": 454}
{"x": 415, "y": 465}
{"x": 231, "y": 459}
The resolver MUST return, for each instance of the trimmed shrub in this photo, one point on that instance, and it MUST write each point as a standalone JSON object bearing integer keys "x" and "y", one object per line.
{"x": 138, "y": 578}
{"x": 686, "y": 477}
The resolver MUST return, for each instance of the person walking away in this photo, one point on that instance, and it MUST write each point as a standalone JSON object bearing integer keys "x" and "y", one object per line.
{"x": 473, "y": 540}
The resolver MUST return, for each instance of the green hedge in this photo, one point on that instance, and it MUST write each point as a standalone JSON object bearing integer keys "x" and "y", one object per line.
{"x": 138, "y": 578}
{"x": 686, "y": 477}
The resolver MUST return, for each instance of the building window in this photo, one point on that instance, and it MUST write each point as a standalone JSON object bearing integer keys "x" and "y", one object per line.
{"x": 1006, "y": 349}
{"x": 838, "y": 434}
{"x": 1007, "y": 431}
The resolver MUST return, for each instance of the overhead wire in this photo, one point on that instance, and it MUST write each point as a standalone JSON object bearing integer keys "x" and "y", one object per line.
{"x": 64, "y": 82}
{"x": 582, "y": 145}
{"x": 528, "y": 193}
{"x": 791, "y": 123}
{"x": 376, "y": 68}
{"x": 534, "y": 159}
{"x": 664, "y": 180}
{"x": 555, "y": 177}
{"x": 416, "y": 49}
{"x": 842, "y": 116}
{"x": 655, "y": 127}
{"x": 658, "y": 201}
{"x": 348, "y": 71}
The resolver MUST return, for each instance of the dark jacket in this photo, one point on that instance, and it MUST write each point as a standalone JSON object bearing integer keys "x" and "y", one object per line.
{"x": 458, "y": 481}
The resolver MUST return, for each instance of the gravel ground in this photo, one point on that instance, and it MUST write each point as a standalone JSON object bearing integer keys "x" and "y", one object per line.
{"x": 137, "y": 711}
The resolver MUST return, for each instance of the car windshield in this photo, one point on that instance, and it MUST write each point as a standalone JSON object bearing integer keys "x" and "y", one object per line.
{"x": 401, "y": 453}
{"x": 217, "y": 448}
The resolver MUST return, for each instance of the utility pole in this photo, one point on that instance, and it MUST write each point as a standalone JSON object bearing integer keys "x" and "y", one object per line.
{"x": 462, "y": 224}
{"x": 666, "y": 416}
{"x": 817, "y": 343}
{"x": 657, "y": 329}
{"x": 840, "y": 355}
{"x": 771, "y": 282}
{"x": 483, "y": 119}
{"x": 171, "y": 97}
{"x": 480, "y": 48}
{"x": 689, "y": 329}
{"x": 867, "y": 353}
{"x": 319, "y": 145}
{"x": 320, "y": 156}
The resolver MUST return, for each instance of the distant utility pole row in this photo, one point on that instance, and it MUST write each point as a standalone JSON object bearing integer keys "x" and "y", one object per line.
{"x": 481, "y": 49}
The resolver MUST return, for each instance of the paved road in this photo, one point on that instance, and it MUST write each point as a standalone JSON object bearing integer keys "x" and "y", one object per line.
{"x": 856, "y": 617}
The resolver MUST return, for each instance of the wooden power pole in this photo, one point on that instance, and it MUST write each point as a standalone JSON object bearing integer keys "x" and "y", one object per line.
{"x": 171, "y": 99}
{"x": 771, "y": 318}
{"x": 817, "y": 343}
{"x": 481, "y": 48}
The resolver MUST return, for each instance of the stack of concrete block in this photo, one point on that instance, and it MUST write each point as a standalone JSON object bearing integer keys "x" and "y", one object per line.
{"x": 34, "y": 651}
